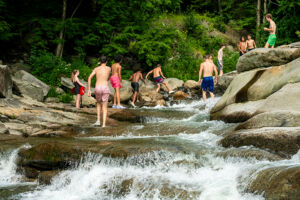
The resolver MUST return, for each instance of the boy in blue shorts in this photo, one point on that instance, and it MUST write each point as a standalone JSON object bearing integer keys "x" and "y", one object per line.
{"x": 208, "y": 68}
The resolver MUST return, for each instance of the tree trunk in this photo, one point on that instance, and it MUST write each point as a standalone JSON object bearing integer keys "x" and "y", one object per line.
{"x": 265, "y": 10}
{"x": 258, "y": 19}
{"x": 220, "y": 7}
{"x": 60, "y": 45}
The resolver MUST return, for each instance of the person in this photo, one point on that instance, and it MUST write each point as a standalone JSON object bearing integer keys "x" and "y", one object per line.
{"x": 242, "y": 46}
{"x": 135, "y": 84}
{"x": 102, "y": 91}
{"x": 159, "y": 78}
{"x": 220, "y": 59}
{"x": 272, "y": 30}
{"x": 77, "y": 88}
{"x": 116, "y": 81}
{"x": 207, "y": 67}
{"x": 250, "y": 43}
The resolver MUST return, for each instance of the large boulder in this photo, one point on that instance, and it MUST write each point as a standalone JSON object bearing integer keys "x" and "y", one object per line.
{"x": 263, "y": 57}
{"x": 224, "y": 82}
{"x": 5, "y": 82}
{"x": 152, "y": 98}
{"x": 88, "y": 101}
{"x": 179, "y": 95}
{"x": 30, "y": 86}
{"x": 191, "y": 84}
{"x": 174, "y": 83}
{"x": 125, "y": 92}
{"x": 148, "y": 87}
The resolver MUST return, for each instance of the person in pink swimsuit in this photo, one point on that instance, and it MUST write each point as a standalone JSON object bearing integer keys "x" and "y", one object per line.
{"x": 102, "y": 91}
{"x": 116, "y": 81}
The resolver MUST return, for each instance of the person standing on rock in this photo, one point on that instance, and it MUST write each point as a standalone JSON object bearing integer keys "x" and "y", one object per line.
{"x": 242, "y": 46}
{"x": 272, "y": 30}
{"x": 135, "y": 84}
{"x": 102, "y": 91}
{"x": 250, "y": 43}
{"x": 220, "y": 59}
{"x": 78, "y": 85}
{"x": 159, "y": 78}
{"x": 208, "y": 68}
{"x": 116, "y": 81}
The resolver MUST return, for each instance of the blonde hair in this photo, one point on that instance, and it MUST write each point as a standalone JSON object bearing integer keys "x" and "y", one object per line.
{"x": 73, "y": 74}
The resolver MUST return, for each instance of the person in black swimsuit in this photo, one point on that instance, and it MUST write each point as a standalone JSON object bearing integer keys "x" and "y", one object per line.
{"x": 78, "y": 85}
{"x": 135, "y": 84}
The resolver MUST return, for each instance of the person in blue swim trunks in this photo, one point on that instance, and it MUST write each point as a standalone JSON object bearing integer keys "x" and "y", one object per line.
{"x": 208, "y": 82}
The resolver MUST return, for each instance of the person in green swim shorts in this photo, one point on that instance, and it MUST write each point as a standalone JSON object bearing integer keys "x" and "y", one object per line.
{"x": 272, "y": 29}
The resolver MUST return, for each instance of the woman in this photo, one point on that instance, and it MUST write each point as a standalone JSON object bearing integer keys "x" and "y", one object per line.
{"x": 77, "y": 88}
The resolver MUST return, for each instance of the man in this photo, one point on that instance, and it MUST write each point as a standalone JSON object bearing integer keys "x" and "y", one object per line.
{"x": 272, "y": 30}
{"x": 242, "y": 46}
{"x": 207, "y": 67}
{"x": 159, "y": 78}
{"x": 250, "y": 43}
{"x": 116, "y": 81}
{"x": 102, "y": 91}
{"x": 220, "y": 59}
{"x": 135, "y": 84}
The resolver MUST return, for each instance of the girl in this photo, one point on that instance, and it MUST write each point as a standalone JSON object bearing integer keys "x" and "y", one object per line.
{"x": 78, "y": 85}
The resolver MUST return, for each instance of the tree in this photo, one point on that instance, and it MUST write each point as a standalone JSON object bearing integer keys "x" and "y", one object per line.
{"x": 265, "y": 10}
{"x": 60, "y": 45}
{"x": 220, "y": 7}
{"x": 258, "y": 10}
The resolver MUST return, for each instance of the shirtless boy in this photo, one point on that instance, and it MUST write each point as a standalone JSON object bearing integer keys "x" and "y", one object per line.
{"x": 220, "y": 59}
{"x": 207, "y": 67}
{"x": 159, "y": 78}
{"x": 135, "y": 84}
{"x": 116, "y": 81}
{"x": 250, "y": 43}
{"x": 102, "y": 91}
{"x": 272, "y": 30}
{"x": 242, "y": 46}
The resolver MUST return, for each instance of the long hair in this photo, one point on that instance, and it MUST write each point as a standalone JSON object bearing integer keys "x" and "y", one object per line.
{"x": 73, "y": 74}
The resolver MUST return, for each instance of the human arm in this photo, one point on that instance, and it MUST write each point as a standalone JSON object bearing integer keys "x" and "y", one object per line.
{"x": 77, "y": 80}
{"x": 142, "y": 78}
{"x": 120, "y": 76}
{"x": 149, "y": 74}
{"x": 254, "y": 44}
{"x": 162, "y": 75}
{"x": 200, "y": 72}
{"x": 271, "y": 28}
{"x": 131, "y": 77}
{"x": 89, "y": 82}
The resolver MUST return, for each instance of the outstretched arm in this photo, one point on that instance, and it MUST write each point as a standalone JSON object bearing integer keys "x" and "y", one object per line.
{"x": 89, "y": 82}
{"x": 142, "y": 78}
{"x": 131, "y": 77}
{"x": 149, "y": 74}
{"x": 200, "y": 72}
{"x": 162, "y": 75}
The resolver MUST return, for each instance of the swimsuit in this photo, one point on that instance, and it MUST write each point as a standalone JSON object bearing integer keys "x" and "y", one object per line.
{"x": 135, "y": 86}
{"x": 271, "y": 40}
{"x": 220, "y": 65}
{"x": 251, "y": 49}
{"x": 241, "y": 53}
{"x": 102, "y": 93}
{"x": 158, "y": 80}
{"x": 208, "y": 82}
{"x": 115, "y": 82}
{"x": 77, "y": 88}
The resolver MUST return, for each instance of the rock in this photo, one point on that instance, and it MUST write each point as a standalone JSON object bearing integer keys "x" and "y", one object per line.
{"x": 45, "y": 177}
{"x": 284, "y": 140}
{"x": 224, "y": 82}
{"x": 52, "y": 100}
{"x": 21, "y": 128}
{"x": 5, "y": 82}
{"x": 263, "y": 57}
{"x": 179, "y": 95}
{"x": 3, "y": 129}
{"x": 3, "y": 118}
{"x": 58, "y": 90}
{"x": 31, "y": 172}
{"x": 151, "y": 98}
{"x": 146, "y": 88}
{"x": 17, "y": 67}
{"x": 276, "y": 183}
{"x": 87, "y": 101}
{"x": 126, "y": 91}
{"x": 191, "y": 84}
{"x": 128, "y": 116}
{"x": 174, "y": 83}
{"x": 30, "y": 86}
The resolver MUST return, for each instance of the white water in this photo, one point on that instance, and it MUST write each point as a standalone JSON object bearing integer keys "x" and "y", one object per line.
{"x": 157, "y": 175}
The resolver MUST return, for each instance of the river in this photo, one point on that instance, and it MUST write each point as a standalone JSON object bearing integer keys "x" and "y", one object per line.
{"x": 188, "y": 163}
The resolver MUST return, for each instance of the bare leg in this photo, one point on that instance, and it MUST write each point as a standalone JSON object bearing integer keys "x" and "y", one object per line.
{"x": 118, "y": 96}
{"x": 204, "y": 95}
{"x": 134, "y": 97}
{"x": 98, "y": 111}
{"x": 267, "y": 45}
{"x": 158, "y": 88}
{"x": 211, "y": 95}
{"x": 167, "y": 85}
{"x": 272, "y": 47}
{"x": 104, "y": 112}
{"x": 221, "y": 72}
{"x": 115, "y": 97}
{"x": 78, "y": 100}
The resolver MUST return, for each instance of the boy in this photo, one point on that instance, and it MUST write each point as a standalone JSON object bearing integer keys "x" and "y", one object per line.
{"x": 207, "y": 67}
{"x": 135, "y": 84}
{"x": 272, "y": 30}
{"x": 220, "y": 59}
{"x": 250, "y": 43}
{"x": 116, "y": 81}
{"x": 242, "y": 46}
{"x": 101, "y": 90}
{"x": 159, "y": 78}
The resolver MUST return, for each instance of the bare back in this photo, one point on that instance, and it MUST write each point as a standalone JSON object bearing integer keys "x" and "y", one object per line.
{"x": 136, "y": 76}
{"x": 272, "y": 27}
{"x": 156, "y": 72}
{"x": 116, "y": 69}
{"x": 102, "y": 75}
{"x": 208, "y": 68}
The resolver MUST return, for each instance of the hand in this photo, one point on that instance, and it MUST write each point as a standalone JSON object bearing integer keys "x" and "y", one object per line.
{"x": 216, "y": 81}
{"x": 200, "y": 80}
{"x": 265, "y": 29}
{"x": 121, "y": 84}
{"x": 89, "y": 93}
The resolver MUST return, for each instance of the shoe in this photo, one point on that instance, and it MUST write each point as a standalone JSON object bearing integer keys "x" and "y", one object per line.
{"x": 120, "y": 107}
{"x": 114, "y": 106}
{"x": 132, "y": 104}
{"x": 171, "y": 92}
{"x": 97, "y": 123}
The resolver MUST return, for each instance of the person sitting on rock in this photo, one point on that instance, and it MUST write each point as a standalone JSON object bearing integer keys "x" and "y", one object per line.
{"x": 159, "y": 78}
{"x": 135, "y": 84}
{"x": 250, "y": 43}
{"x": 272, "y": 30}
{"x": 78, "y": 85}
{"x": 207, "y": 67}
{"x": 242, "y": 46}
{"x": 102, "y": 91}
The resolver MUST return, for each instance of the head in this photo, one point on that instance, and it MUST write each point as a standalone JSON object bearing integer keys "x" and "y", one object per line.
{"x": 242, "y": 39}
{"x": 222, "y": 46}
{"x": 118, "y": 58}
{"x": 103, "y": 60}
{"x": 138, "y": 70}
{"x": 206, "y": 57}
{"x": 74, "y": 73}
{"x": 249, "y": 37}
{"x": 158, "y": 65}
{"x": 210, "y": 57}
{"x": 268, "y": 17}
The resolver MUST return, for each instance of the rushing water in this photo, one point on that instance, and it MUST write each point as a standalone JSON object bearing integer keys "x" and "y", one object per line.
{"x": 195, "y": 170}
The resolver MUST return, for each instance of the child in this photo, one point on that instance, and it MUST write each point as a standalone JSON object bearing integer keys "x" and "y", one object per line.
{"x": 102, "y": 91}
{"x": 250, "y": 43}
{"x": 220, "y": 59}
{"x": 159, "y": 78}
{"x": 78, "y": 85}
{"x": 135, "y": 84}
{"x": 116, "y": 81}
{"x": 242, "y": 46}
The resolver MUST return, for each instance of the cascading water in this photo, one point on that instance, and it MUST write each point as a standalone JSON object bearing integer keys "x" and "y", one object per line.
{"x": 194, "y": 170}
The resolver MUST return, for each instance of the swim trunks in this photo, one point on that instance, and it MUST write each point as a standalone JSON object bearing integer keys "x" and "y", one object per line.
{"x": 115, "y": 82}
{"x": 158, "y": 80}
{"x": 135, "y": 86}
{"x": 240, "y": 55}
{"x": 208, "y": 82}
{"x": 220, "y": 65}
{"x": 251, "y": 49}
{"x": 272, "y": 39}
{"x": 102, "y": 93}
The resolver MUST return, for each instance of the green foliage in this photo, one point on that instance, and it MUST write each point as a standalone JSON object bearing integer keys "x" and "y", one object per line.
{"x": 66, "y": 98}
{"x": 52, "y": 93}
{"x": 230, "y": 60}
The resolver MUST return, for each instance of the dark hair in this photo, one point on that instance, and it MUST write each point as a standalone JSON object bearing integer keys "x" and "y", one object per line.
{"x": 207, "y": 56}
{"x": 269, "y": 16}
{"x": 103, "y": 59}
{"x": 250, "y": 35}
{"x": 118, "y": 58}
{"x": 138, "y": 70}
{"x": 222, "y": 45}
{"x": 241, "y": 38}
